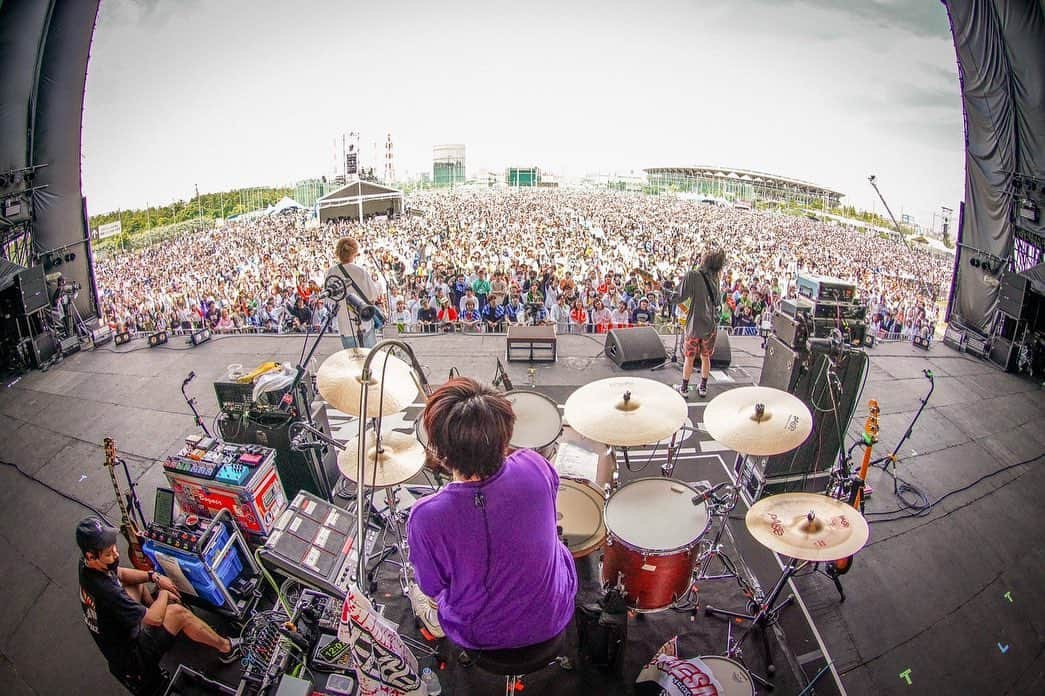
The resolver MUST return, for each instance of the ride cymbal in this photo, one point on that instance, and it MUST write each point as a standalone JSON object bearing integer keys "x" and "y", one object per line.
{"x": 340, "y": 382}
{"x": 625, "y": 411}
{"x": 807, "y": 526}
{"x": 759, "y": 421}
{"x": 400, "y": 459}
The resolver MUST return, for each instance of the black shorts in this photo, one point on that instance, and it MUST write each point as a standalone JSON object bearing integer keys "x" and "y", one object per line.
{"x": 153, "y": 643}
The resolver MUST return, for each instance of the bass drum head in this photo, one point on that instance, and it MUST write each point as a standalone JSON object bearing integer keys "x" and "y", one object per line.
{"x": 538, "y": 422}
{"x": 735, "y": 680}
{"x": 578, "y": 512}
{"x": 656, "y": 515}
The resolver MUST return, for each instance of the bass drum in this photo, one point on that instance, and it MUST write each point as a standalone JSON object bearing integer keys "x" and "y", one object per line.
{"x": 653, "y": 532}
{"x": 538, "y": 422}
{"x": 735, "y": 680}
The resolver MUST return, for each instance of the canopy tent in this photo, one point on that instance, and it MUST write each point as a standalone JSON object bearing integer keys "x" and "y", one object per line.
{"x": 283, "y": 205}
{"x": 359, "y": 199}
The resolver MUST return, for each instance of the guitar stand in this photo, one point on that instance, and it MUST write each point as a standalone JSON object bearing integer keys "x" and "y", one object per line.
{"x": 768, "y": 612}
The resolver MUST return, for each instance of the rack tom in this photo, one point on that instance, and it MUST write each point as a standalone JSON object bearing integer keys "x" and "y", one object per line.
{"x": 538, "y": 422}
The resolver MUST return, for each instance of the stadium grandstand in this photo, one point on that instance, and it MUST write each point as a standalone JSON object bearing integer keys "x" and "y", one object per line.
{"x": 740, "y": 185}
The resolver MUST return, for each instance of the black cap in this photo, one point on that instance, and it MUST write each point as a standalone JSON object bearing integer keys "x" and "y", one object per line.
{"x": 92, "y": 534}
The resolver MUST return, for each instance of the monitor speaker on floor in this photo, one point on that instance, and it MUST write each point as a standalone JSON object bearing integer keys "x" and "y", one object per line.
{"x": 635, "y": 348}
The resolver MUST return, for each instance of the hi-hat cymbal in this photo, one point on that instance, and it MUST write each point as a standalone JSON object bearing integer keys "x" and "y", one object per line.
{"x": 401, "y": 458}
{"x": 759, "y": 421}
{"x": 340, "y": 382}
{"x": 807, "y": 526}
{"x": 625, "y": 411}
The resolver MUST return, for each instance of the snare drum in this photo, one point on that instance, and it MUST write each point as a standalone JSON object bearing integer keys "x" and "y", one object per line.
{"x": 653, "y": 530}
{"x": 538, "y": 422}
{"x": 578, "y": 515}
{"x": 735, "y": 680}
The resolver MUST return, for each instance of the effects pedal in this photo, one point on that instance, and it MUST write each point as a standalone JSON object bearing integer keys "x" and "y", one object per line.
{"x": 234, "y": 473}
{"x": 191, "y": 467}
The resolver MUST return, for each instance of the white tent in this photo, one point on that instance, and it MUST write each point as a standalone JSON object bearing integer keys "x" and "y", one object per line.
{"x": 358, "y": 199}
{"x": 284, "y": 204}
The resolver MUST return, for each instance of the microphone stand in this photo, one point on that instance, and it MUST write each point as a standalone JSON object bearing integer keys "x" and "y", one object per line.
{"x": 366, "y": 377}
{"x": 192, "y": 405}
{"x": 288, "y": 399}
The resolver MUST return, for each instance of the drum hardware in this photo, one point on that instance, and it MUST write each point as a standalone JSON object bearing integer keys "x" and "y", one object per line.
{"x": 806, "y": 528}
{"x": 346, "y": 380}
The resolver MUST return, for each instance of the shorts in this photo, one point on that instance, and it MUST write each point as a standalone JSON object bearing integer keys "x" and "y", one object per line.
{"x": 153, "y": 643}
{"x": 703, "y": 347}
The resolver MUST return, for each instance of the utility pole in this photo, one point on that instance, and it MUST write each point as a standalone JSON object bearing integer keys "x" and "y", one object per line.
{"x": 199, "y": 203}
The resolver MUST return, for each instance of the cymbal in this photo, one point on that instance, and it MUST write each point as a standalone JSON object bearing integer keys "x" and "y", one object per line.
{"x": 340, "y": 382}
{"x": 625, "y": 411}
{"x": 735, "y": 420}
{"x": 807, "y": 526}
{"x": 401, "y": 458}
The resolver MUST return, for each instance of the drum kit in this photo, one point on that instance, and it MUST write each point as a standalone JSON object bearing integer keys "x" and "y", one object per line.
{"x": 653, "y": 530}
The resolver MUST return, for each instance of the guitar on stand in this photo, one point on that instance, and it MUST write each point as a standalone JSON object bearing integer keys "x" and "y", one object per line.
{"x": 128, "y": 527}
{"x": 856, "y": 489}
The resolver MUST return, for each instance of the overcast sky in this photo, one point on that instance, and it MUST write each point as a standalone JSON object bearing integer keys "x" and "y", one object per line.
{"x": 231, "y": 93}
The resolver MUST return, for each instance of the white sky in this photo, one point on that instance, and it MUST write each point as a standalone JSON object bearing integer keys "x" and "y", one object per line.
{"x": 230, "y": 93}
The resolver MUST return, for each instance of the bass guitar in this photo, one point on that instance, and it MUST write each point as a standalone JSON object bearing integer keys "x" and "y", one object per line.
{"x": 128, "y": 527}
{"x": 856, "y": 495}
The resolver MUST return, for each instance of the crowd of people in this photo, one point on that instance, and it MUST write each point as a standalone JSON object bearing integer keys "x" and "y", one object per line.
{"x": 478, "y": 260}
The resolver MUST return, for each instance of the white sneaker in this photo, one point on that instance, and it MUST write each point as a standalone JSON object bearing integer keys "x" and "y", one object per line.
{"x": 425, "y": 610}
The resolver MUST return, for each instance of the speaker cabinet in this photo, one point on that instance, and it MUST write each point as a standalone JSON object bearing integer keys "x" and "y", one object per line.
{"x": 1012, "y": 295}
{"x": 723, "y": 354}
{"x": 297, "y": 470}
{"x": 635, "y": 348}
{"x": 1004, "y": 353}
{"x": 806, "y": 375}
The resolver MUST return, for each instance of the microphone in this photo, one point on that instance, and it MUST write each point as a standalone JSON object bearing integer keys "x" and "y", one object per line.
{"x": 333, "y": 289}
{"x": 364, "y": 309}
{"x": 300, "y": 443}
{"x": 192, "y": 376}
{"x": 698, "y": 499}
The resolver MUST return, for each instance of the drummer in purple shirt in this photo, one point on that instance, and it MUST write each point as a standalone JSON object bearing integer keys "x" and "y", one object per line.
{"x": 485, "y": 547}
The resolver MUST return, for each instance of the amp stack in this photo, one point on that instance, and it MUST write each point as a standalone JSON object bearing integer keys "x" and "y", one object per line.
{"x": 825, "y": 374}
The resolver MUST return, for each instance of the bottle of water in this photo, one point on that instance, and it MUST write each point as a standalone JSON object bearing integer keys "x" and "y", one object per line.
{"x": 431, "y": 681}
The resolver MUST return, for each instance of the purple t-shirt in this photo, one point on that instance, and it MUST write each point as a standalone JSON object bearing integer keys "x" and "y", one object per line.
{"x": 488, "y": 551}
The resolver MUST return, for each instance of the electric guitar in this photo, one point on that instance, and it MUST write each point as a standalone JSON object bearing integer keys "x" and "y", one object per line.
{"x": 128, "y": 526}
{"x": 856, "y": 496}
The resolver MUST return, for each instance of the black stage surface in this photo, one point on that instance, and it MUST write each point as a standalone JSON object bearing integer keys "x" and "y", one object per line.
{"x": 942, "y": 603}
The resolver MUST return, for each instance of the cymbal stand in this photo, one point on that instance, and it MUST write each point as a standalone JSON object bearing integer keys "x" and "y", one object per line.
{"x": 768, "y": 611}
{"x": 722, "y": 506}
{"x": 366, "y": 377}
{"x": 675, "y": 449}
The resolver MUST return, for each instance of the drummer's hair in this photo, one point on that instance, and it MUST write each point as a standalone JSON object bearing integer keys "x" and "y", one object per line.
{"x": 469, "y": 425}
{"x": 714, "y": 260}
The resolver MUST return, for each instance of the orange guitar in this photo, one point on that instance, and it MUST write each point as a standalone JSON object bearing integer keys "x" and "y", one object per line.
{"x": 127, "y": 525}
{"x": 856, "y": 498}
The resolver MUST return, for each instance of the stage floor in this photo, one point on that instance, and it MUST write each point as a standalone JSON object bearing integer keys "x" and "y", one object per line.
{"x": 946, "y": 601}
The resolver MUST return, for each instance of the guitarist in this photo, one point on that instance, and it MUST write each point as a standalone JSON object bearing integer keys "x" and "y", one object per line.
{"x": 701, "y": 290}
{"x": 132, "y": 627}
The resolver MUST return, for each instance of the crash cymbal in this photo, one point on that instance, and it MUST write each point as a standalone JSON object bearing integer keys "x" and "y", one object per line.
{"x": 340, "y": 382}
{"x": 759, "y": 421}
{"x": 625, "y": 411}
{"x": 401, "y": 458}
{"x": 807, "y": 526}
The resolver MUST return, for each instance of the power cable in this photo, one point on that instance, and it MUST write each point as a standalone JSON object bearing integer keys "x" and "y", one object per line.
{"x": 51, "y": 488}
